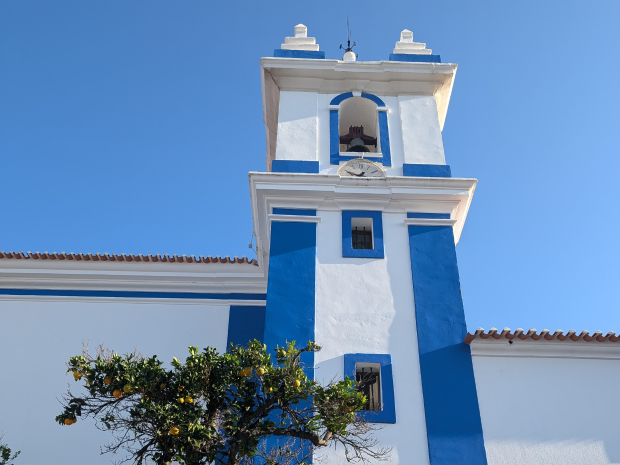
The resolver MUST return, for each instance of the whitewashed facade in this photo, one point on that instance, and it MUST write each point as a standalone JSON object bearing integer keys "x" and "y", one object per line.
{"x": 393, "y": 302}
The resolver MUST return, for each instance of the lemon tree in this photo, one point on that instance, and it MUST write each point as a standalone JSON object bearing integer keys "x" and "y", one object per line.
{"x": 218, "y": 408}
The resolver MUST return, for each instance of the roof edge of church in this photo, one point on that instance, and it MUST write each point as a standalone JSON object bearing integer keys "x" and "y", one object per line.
{"x": 127, "y": 257}
{"x": 545, "y": 335}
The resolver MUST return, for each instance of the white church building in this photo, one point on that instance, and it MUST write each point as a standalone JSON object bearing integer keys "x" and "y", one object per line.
{"x": 356, "y": 217}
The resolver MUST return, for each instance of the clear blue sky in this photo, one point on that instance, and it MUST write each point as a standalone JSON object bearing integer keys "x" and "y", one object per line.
{"x": 130, "y": 126}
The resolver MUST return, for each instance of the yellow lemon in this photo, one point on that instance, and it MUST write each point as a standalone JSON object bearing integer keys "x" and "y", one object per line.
{"x": 174, "y": 430}
{"x": 246, "y": 372}
{"x": 297, "y": 383}
{"x": 270, "y": 389}
{"x": 127, "y": 388}
{"x": 107, "y": 380}
{"x": 189, "y": 400}
{"x": 117, "y": 393}
{"x": 76, "y": 375}
{"x": 213, "y": 425}
{"x": 162, "y": 386}
{"x": 74, "y": 421}
{"x": 180, "y": 400}
{"x": 260, "y": 371}
{"x": 68, "y": 421}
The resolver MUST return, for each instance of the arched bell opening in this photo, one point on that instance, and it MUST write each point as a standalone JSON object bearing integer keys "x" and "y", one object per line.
{"x": 358, "y": 126}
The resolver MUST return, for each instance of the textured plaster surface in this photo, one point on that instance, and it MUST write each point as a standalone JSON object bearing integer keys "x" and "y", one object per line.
{"x": 366, "y": 306}
{"x": 421, "y": 134}
{"x": 549, "y": 410}
{"x": 297, "y": 126}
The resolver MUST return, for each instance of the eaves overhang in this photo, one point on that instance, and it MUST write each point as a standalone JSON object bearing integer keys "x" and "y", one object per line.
{"x": 389, "y": 78}
{"x": 334, "y": 193}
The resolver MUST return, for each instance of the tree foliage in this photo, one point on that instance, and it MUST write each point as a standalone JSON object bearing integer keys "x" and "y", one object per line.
{"x": 219, "y": 408}
{"x": 6, "y": 454}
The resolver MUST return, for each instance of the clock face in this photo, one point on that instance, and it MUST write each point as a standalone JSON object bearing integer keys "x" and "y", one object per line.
{"x": 360, "y": 168}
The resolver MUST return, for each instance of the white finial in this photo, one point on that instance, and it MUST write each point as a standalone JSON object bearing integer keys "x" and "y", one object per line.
{"x": 406, "y": 36}
{"x": 407, "y": 46}
{"x": 349, "y": 56}
{"x": 300, "y": 41}
{"x": 301, "y": 31}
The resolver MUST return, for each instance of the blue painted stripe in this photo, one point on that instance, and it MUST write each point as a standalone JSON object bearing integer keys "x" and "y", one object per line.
{"x": 293, "y": 211}
{"x": 353, "y": 157}
{"x": 426, "y": 171}
{"x": 453, "y": 422}
{"x": 339, "y": 98}
{"x": 279, "y": 53}
{"x": 440, "y": 216}
{"x": 415, "y": 58}
{"x": 290, "y": 289}
{"x": 388, "y": 409}
{"x": 374, "y": 98}
{"x": 294, "y": 166}
{"x": 384, "y": 134}
{"x": 290, "y": 311}
{"x": 334, "y": 137}
{"x": 131, "y": 294}
{"x": 245, "y": 323}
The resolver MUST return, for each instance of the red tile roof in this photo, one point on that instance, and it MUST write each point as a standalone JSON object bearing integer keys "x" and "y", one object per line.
{"x": 124, "y": 258}
{"x": 544, "y": 335}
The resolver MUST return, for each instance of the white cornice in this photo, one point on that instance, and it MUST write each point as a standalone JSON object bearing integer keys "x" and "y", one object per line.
{"x": 548, "y": 349}
{"x": 429, "y": 222}
{"x": 294, "y": 218}
{"x": 215, "y": 278}
{"x": 331, "y": 192}
{"x": 384, "y": 78}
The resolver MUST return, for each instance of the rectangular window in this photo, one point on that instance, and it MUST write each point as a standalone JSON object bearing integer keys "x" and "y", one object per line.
{"x": 373, "y": 375}
{"x": 361, "y": 233}
{"x": 368, "y": 377}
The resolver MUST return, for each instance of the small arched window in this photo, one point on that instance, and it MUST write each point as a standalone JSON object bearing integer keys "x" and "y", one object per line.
{"x": 358, "y": 125}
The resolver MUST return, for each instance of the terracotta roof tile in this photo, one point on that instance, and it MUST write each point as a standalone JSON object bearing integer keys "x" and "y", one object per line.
{"x": 125, "y": 258}
{"x": 544, "y": 335}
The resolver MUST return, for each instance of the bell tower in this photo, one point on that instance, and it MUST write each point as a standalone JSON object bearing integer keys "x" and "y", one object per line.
{"x": 357, "y": 218}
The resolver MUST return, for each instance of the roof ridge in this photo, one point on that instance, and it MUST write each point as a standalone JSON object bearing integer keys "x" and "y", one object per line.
{"x": 166, "y": 258}
{"x": 545, "y": 335}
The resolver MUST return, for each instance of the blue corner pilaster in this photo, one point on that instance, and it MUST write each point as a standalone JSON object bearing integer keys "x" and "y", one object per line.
{"x": 415, "y": 58}
{"x": 279, "y": 53}
{"x": 385, "y": 138}
{"x": 290, "y": 288}
{"x": 245, "y": 323}
{"x": 334, "y": 138}
{"x": 427, "y": 171}
{"x": 453, "y": 422}
{"x": 294, "y": 166}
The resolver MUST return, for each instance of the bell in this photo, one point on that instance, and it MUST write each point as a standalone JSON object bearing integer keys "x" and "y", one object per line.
{"x": 357, "y": 145}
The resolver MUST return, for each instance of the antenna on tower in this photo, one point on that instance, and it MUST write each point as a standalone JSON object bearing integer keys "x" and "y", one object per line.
{"x": 352, "y": 56}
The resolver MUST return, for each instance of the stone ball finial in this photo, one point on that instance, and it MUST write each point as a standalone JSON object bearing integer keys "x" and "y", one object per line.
{"x": 301, "y": 31}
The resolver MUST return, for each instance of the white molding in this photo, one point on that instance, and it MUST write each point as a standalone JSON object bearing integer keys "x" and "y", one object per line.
{"x": 383, "y": 109}
{"x": 133, "y": 300}
{"x": 334, "y": 107}
{"x": 294, "y": 218}
{"x": 357, "y": 93}
{"x": 331, "y": 192}
{"x": 429, "y": 222}
{"x": 362, "y": 204}
{"x": 548, "y": 349}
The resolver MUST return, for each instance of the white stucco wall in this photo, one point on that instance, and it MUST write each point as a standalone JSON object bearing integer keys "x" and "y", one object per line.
{"x": 297, "y": 126}
{"x": 553, "y": 407}
{"x": 37, "y": 337}
{"x": 366, "y": 306}
{"x": 421, "y": 134}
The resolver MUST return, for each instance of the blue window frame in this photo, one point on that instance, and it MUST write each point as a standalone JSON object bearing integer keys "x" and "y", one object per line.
{"x": 388, "y": 410}
{"x": 377, "y": 235}
{"x": 334, "y": 133}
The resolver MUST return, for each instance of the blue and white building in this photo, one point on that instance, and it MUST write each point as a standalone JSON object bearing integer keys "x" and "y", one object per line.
{"x": 357, "y": 217}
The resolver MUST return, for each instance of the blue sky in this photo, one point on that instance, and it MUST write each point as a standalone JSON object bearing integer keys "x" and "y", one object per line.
{"x": 129, "y": 127}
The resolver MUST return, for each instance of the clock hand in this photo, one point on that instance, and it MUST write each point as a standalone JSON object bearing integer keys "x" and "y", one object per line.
{"x": 352, "y": 174}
